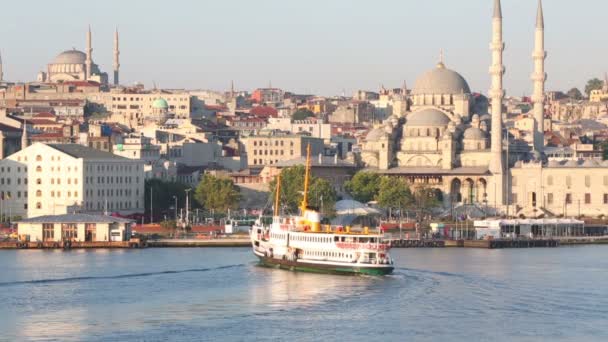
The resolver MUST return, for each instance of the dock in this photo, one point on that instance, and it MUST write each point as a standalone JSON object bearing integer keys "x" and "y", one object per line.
{"x": 68, "y": 244}
{"x": 200, "y": 243}
{"x": 488, "y": 244}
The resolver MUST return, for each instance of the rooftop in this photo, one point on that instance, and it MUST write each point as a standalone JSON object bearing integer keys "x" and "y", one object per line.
{"x": 75, "y": 218}
{"x": 81, "y": 151}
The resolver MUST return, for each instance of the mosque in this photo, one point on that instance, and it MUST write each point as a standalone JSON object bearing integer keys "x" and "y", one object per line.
{"x": 75, "y": 65}
{"x": 453, "y": 141}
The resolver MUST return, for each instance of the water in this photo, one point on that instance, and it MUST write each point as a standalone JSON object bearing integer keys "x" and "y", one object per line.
{"x": 219, "y": 294}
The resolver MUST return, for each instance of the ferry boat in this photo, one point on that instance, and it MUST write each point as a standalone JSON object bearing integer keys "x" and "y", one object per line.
{"x": 302, "y": 243}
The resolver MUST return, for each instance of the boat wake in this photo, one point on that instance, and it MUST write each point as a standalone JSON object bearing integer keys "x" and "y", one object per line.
{"x": 120, "y": 276}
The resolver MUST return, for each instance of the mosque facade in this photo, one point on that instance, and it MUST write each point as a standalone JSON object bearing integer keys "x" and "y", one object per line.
{"x": 76, "y": 65}
{"x": 453, "y": 141}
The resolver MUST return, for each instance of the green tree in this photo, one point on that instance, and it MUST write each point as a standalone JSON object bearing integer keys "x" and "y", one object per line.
{"x": 394, "y": 193}
{"x": 574, "y": 94}
{"x": 364, "y": 186}
{"x": 216, "y": 193}
{"x": 593, "y": 84}
{"x": 426, "y": 199}
{"x": 292, "y": 188}
{"x": 162, "y": 197}
{"x": 323, "y": 196}
{"x": 302, "y": 114}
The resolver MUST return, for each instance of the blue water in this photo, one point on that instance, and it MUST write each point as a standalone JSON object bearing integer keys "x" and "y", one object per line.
{"x": 558, "y": 294}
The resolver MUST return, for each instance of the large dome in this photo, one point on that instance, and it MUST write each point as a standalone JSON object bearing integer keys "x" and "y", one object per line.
{"x": 70, "y": 57}
{"x": 441, "y": 81}
{"x": 474, "y": 133}
{"x": 427, "y": 117}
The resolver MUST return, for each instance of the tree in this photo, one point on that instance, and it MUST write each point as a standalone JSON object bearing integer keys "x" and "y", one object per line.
{"x": 574, "y": 94}
{"x": 322, "y": 195}
{"x": 394, "y": 193}
{"x": 162, "y": 197}
{"x": 426, "y": 199}
{"x": 593, "y": 84}
{"x": 215, "y": 193}
{"x": 302, "y": 114}
{"x": 364, "y": 186}
{"x": 292, "y": 188}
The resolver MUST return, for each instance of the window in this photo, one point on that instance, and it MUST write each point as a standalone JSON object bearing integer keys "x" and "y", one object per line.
{"x": 38, "y": 158}
{"x": 514, "y": 181}
{"x": 38, "y": 168}
{"x": 605, "y": 198}
{"x": 38, "y": 181}
{"x": 568, "y": 198}
{"x": 48, "y": 231}
{"x": 549, "y": 198}
{"x": 587, "y": 181}
{"x": 38, "y": 193}
{"x": 69, "y": 231}
{"x": 38, "y": 205}
{"x": 568, "y": 181}
{"x": 550, "y": 180}
{"x": 587, "y": 198}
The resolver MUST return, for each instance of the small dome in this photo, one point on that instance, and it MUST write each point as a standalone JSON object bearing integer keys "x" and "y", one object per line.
{"x": 70, "y": 57}
{"x": 590, "y": 163}
{"x": 427, "y": 117}
{"x": 160, "y": 104}
{"x": 441, "y": 81}
{"x": 375, "y": 134}
{"x": 474, "y": 133}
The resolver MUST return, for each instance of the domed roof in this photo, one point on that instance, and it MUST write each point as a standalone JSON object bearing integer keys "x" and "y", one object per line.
{"x": 70, "y": 57}
{"x": 474, "y": 133}
{"x": 427, "y": 117}
{"x": 441, "y": 81}
{"x": 375, "y": 134}
{"x": 160, "y": 103}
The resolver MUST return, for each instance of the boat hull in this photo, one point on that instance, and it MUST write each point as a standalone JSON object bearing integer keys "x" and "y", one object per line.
{"x": 303, "y": 266}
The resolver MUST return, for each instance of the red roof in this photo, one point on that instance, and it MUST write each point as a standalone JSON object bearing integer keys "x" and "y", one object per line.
{"x": 207, "y": 229}
{"x": 45, "y": 115}
{"x": 264, "y": 111}
{"x": 43, "y": 122}
{"x": 215, "y": 107}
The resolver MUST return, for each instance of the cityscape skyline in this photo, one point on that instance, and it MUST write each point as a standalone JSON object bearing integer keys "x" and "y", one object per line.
{"x": 309, "y": 60}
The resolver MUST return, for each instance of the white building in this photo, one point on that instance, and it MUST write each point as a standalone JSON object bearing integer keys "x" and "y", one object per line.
{"x": 59, "y": 178}
{"x": 75, "y": 227}
{"x": 316, "y": 128}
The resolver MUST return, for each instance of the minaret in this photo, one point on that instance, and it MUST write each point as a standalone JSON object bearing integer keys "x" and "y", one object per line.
{"x": 116, "y": 58}
{"x": 1, "y": 72}
{"x": 496, "y": 93}
{"x": 24, "y": 136}
{"x": 89, "y": 60}
{"x": 539, "y": 77}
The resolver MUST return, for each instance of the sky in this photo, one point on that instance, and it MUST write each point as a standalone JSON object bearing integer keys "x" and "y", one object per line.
{"x": 324, "y": 47}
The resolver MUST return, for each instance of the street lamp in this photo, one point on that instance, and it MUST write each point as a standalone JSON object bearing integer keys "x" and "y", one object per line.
{"x": 175, "y": 198}
{"x": 187, "y": 205}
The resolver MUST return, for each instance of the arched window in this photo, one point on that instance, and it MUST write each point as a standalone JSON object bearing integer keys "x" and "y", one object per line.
{"x": 38, "y": 168}
{"x": 38, "y": 181}
{"x": 38, "y": 205}
{"x": 38, "y": 158}
{"x": 38, "y": 193}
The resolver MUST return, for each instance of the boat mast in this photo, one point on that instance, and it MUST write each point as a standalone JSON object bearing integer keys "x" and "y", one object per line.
{"x": 304, "y": 204}
{"x": 277, "y": 196}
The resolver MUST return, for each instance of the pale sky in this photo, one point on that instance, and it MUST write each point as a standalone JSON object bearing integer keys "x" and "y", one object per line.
{"x": 307, "y": 46}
